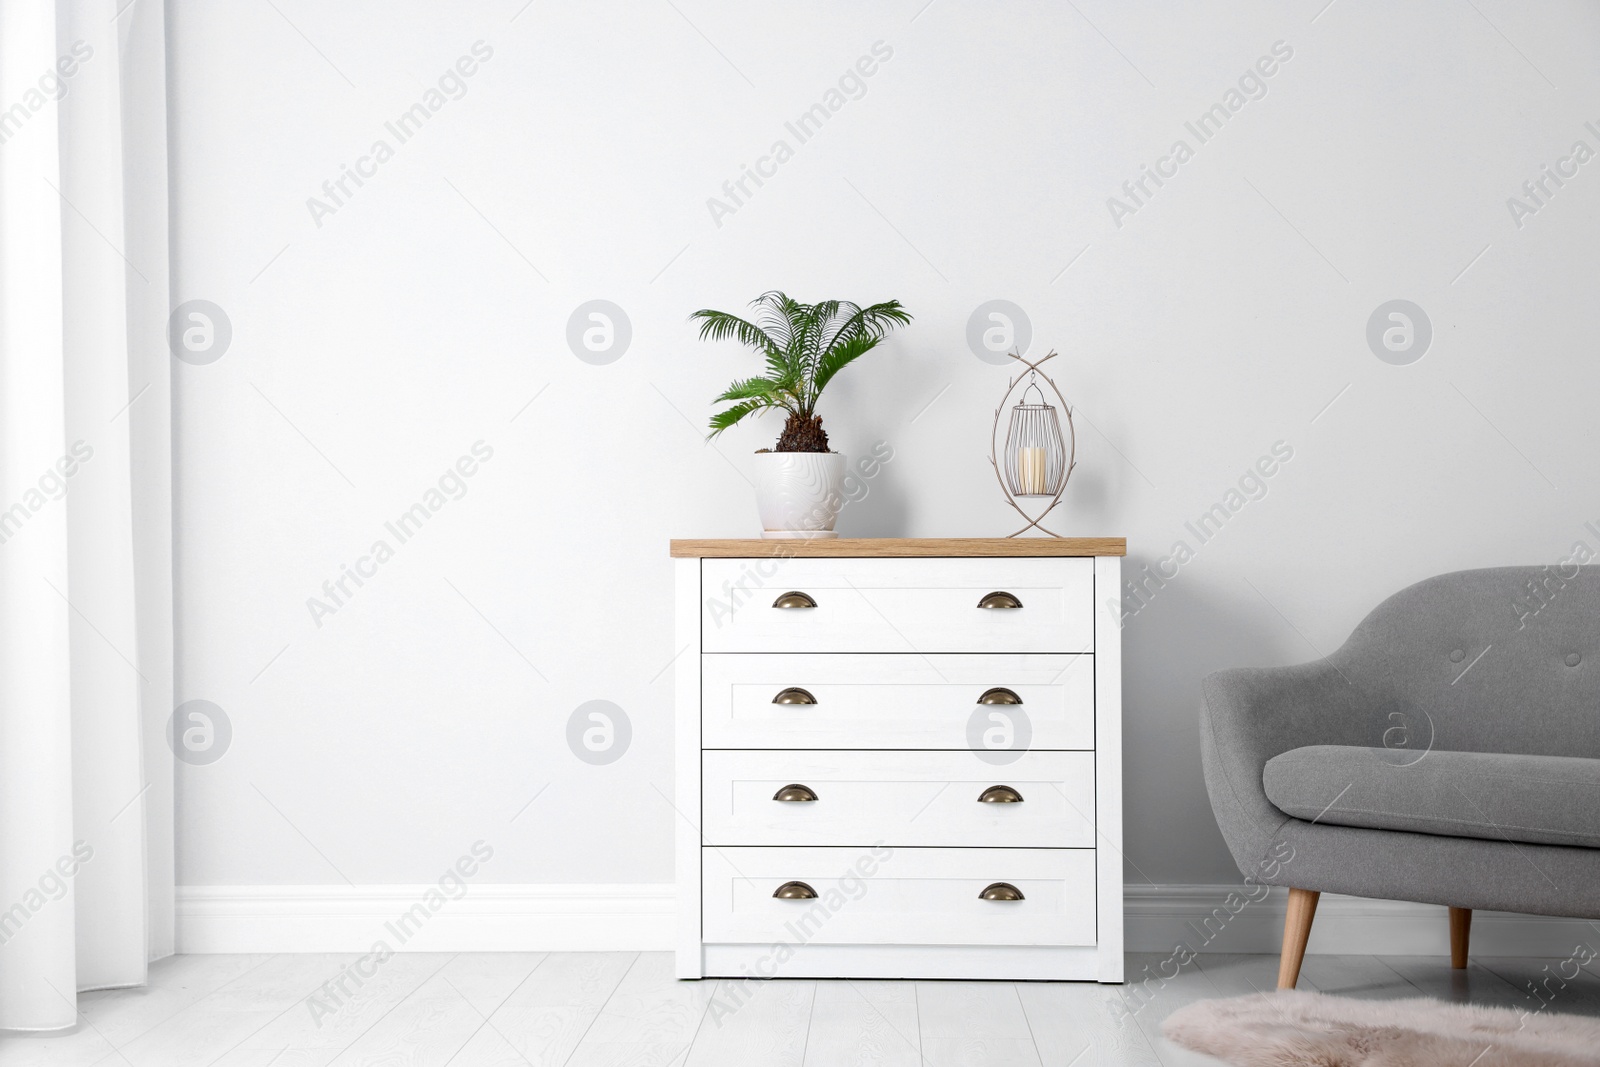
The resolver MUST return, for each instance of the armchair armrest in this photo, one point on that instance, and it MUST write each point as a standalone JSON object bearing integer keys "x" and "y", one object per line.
{"x": 1251, "y": 714}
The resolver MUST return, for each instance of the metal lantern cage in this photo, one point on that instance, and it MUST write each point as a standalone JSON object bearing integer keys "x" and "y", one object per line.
{"x": 1038, "y": 458}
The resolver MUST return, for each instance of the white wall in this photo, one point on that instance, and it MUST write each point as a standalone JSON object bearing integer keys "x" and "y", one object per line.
{"x": 372, "y": 351}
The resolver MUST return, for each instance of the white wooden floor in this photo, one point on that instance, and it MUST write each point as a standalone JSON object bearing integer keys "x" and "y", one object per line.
{"x": 578, "y": 1009}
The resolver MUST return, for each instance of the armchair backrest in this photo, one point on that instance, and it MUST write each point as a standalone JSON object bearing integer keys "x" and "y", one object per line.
{"x": 1499, "y": 660}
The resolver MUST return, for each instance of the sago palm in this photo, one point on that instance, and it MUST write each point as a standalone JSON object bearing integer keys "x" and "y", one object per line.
{"x": 804, "y": 346}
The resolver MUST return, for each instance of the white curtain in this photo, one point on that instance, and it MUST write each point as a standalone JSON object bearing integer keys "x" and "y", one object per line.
{"x": 86, "y": 851}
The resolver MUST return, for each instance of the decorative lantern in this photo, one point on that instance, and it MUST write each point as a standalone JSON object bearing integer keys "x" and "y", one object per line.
{"x": 1037, "y": 459}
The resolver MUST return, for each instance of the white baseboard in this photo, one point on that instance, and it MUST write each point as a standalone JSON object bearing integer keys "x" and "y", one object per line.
{"x": 576, "y": 918}
{"x": 488, "y": 918}
{"x": 1159, "y": 918}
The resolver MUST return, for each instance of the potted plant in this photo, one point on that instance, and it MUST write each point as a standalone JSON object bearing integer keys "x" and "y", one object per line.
{"x": 799, "y": 484}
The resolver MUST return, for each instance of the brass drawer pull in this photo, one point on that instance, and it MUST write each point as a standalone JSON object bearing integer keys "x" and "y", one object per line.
{"x": 1000, "y": 600}
{"x": 999, "y": 695}
{"x": 796, "y": 891}
{"x": 997, "y": 891}
{"x": 794, "y": 695}
{"x": 1000, "y": 794}
{"x": 795, "y": 794}
{"x": 794, "y": 599}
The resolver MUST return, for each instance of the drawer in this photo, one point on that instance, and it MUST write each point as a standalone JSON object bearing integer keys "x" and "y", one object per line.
{"x": 901, "y": 702}
{"x": 901, "y": 798}
{"x": 899, "y": 896}
{"x": 897, "y": 605}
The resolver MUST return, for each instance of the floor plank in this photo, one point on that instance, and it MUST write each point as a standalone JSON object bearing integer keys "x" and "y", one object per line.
{"x": 649, "y": 1021}
{"x": 277, "y": 1057}
{"x": 346, "y": 1002}
{"x": 1159, "y": 996}
{"x": 80, "y": 1048}
{"x": 120, "y": 1015}
{"x": 1360, "y": 977}
{"x": 281, "y": 981}
{"x": 193, "y": 1038}
{"x": 971, "y": 1024}
{"x": 864, "y": 1024}
{"x": 543, "y": 1019}
{"x": 1541, "y": 984}
{"x": 227, "y": 1018}
{"x": 1238, "y": 974}
{"x": 425, "y": 1029}
{"x": 486, "y": 979}
{"x": 1084, "y": 1024}
{"x": 1434, "y": 977}
{"x": 753, "y": 1022}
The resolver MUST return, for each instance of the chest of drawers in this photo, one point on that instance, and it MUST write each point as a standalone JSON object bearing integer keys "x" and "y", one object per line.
{"x": 899, "y": 759}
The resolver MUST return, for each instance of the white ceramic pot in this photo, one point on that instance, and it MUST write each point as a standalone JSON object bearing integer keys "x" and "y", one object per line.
{"x": 799, "y": 493}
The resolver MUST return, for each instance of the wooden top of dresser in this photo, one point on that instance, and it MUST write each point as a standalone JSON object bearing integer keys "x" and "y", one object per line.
{"x": 902, "y": 546}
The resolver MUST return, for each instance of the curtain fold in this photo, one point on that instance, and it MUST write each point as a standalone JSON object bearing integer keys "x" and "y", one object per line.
{"x": 86, "y": 857}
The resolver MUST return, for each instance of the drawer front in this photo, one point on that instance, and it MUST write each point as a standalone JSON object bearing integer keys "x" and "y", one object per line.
{"x": 900, "y": 798}
{"x": 897, "y": 605}
{"x": 905, "y": 896}
{"x": 901, "y": 702}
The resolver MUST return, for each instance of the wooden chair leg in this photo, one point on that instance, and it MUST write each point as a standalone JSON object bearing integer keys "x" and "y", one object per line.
{"x": 1460, "y": 931}
{"x": 1296, "y": 930}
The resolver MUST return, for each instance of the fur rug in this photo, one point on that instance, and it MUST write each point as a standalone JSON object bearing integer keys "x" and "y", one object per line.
{"x": 1296, "y": 1029}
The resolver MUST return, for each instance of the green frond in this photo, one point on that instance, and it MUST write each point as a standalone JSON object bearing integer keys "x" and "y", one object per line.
{"x": 817, "y": 338}
{"x": 728, "y": 417}
{"x": 839, "y": 356}
{"x": 719, "y": 326}
{"x": 856, "y": 331}
{"x": 769, "y": 315}
{"x": 750, "y": 388}
{"x": 878, "y": 319}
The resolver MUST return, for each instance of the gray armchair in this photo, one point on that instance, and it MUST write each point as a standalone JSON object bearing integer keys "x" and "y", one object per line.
{"x": 1447, "y": 753}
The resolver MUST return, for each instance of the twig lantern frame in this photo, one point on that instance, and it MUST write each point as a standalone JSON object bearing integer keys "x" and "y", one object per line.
{"x": 1034, "y": 428}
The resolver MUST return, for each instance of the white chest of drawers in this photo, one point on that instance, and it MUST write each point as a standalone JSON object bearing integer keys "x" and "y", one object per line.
{"x": 899, "y": 759}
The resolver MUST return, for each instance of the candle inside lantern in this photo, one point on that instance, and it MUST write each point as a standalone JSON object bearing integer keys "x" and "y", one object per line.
{"x": 1031, "y": 471}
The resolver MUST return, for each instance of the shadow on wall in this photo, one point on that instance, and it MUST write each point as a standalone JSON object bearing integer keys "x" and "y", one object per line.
{"x": 1203, "y": 620}
{"x": 884, "y": 510}
{"x": 1089, "y": 492}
